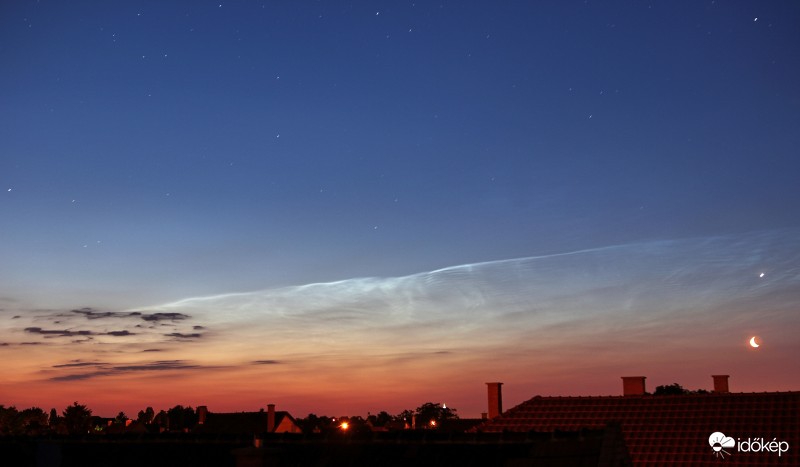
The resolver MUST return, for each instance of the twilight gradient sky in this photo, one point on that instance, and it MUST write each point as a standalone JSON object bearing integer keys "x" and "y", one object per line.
{"x": 362, "y": 206}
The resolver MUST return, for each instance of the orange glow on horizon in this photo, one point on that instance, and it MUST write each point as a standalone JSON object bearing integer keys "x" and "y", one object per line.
{"x": 540, "y": 325}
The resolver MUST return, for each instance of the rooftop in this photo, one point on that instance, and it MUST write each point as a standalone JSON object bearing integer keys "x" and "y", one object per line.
{"x": 669, "y": 429}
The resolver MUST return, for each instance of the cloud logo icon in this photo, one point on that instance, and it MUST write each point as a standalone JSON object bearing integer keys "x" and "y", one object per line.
{"x": 718, "y": 441}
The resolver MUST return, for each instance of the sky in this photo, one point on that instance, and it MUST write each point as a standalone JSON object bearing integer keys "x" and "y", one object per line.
{"x": 347, "y": 207}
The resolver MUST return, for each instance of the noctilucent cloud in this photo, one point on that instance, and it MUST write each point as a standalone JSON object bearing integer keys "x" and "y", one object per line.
{"x": 350, "y": 207}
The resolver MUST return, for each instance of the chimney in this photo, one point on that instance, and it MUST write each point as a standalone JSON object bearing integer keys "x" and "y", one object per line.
{"x": 495, "y": 399}
{"x": 721, "y": 384}
{"x": 270, "y": 418}
{"x": 633, "y": 385}
{"x": 202, "y": 414}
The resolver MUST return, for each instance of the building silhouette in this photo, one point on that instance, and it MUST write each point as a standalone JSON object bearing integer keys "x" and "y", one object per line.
{"x": 269, "y": 421}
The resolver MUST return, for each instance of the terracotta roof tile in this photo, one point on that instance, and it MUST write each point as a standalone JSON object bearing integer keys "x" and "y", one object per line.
{"x": 670, "y": 430}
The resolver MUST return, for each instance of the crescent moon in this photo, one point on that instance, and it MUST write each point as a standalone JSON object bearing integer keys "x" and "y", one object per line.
{"x": 753, "y": 342}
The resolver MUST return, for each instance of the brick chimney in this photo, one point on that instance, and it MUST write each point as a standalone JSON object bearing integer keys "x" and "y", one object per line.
{"x": 202, "y": 414}
{"x": 270, "y": 418}
{"x": 633, "y": 385}
{"x": 495, "y": 399}
{"x": 721, "y": 384}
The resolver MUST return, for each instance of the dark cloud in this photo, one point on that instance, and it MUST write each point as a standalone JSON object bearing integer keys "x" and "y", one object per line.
{"x": 265, "y": 362}
{"x": 79, "y": 377}
{"x": 31, "y": 343}
{"x": 159, "y": 366}
{"x": 57, "y": 332}
{"x": 105, "y": 370}
{"x": 4, "y": 344}
{"x": 81, "y": 333}
{"x": 164, "y": 316}
{"x": 79, "y": 364}
{"x": 122, "y": 325}
{"x": 181, "y": 335}
{"x": 91, "y": 313}
{"x": 15, "y": 317}
{"x": 152, "y": 350}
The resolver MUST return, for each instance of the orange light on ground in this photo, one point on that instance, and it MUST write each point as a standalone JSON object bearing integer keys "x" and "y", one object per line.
{"x": 344, "y": 426}
{"x": 433, "y": 423}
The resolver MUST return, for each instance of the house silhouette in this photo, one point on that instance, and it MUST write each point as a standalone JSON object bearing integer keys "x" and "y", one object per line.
{"x": 239, "y": 423}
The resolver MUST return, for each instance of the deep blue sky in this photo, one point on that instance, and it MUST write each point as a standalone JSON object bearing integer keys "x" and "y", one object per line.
{"x": 151, "y": 151}
{"x": 160, "y": 156}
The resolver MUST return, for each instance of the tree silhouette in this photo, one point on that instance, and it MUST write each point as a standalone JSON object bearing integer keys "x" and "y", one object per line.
{"x": 181, "y": 418}
{"x": 77, "y": 418}
{"x": 33, "y": 420}
{"x": 161, "y": 419}
{"x": 30, "y": 421}
{"x": 675, "y": 389}
{"x": 406, "y": 417}
{"x": 146, "y": 416}
{"x": 121, "y": 418}
{"x": 314, "y": 424}
{"x": 381, "y": 419}
{"x": 54, "y": 418}
{"x": 430, "y": 414}
{"x": 9, "y": 421}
